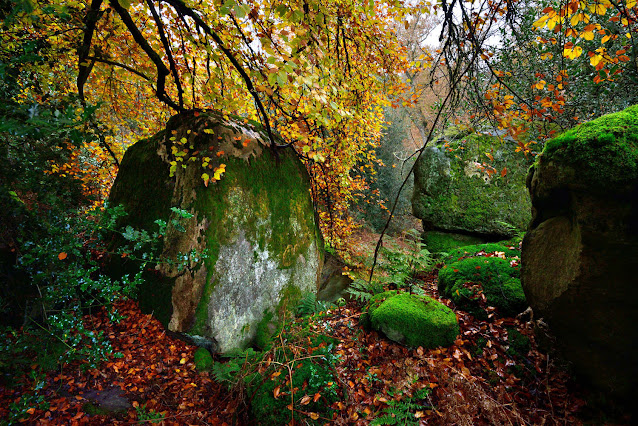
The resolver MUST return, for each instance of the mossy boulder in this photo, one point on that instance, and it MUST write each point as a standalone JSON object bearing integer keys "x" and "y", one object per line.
{"x": 470, "y": 186}
{"x": 465, "y": 280}
{"x": 579, "y": 253}
{"x": 413, "y": 320}
{"x": 256, "y": 225}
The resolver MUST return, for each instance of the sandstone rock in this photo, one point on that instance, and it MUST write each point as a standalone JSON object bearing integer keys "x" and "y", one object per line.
{"x": 460, "y": 201}
{"x": 257, "y": 225}
{"x": 580, "y": 253}
{"x": 333, "y": 283}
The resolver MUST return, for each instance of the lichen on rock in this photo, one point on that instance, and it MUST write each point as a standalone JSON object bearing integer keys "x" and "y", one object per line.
{"x": 461, "y": 201}
{"x": 256, "y": 225}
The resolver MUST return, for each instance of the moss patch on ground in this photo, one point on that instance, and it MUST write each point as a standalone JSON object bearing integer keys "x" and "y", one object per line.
{"x": 471, "y": 251}
{"x": 203, "y": 359}
{"x": 415, "y": 320}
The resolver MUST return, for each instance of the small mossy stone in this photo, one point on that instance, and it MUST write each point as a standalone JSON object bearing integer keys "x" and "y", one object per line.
{"x": 374, "y": 303}
{"x": 475, "y": 269}
{"x": 203, "y": 359}
{"x": 416, "y": 321}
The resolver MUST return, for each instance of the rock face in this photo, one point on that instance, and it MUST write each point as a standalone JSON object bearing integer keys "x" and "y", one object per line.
{"x": 581, "y": 250}
{"x": 333, "y": 284}
{"x": 460, "y": 201}
{"x": 257, "y": 225}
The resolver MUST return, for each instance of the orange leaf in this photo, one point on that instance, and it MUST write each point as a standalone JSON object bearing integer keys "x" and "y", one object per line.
{"x": 276, "y": 392}
{"x": 62, "y": 256}
{"x": 305, "y": 400}
{"x": 504, "y": 172}
{"x": 316, "y": 397}
{"x": 313, "y": 416}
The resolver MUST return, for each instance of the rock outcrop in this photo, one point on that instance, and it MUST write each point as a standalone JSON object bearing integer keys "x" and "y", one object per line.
{"x": 256, "y": 225}
{"x": 581, "y": 249}
{"x": 461, "y": 201}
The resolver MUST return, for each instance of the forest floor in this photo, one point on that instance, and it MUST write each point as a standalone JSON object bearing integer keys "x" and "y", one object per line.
{"x": 494, "y": 373}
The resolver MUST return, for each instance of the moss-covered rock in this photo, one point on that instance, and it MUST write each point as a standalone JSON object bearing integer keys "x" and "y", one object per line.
{"x": 455, "y": 193}
{"x": 203, "y": 359}
{"x": 257, "y": 226}
{"x": 582, "y": 242}
{"x": 415, "y": 320}
{"x": 463, "y": 281}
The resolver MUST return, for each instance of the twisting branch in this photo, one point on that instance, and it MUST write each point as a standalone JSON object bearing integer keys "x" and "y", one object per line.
{"x": 119, "y": 65}
{"x": 84, "y": 68}
{"x": 162, "y": 71}
{"x": 167, "y": 49}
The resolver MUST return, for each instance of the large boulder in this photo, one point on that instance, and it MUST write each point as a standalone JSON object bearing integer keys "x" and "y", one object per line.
{"x": 581, "y": 249}
{"x": 470, "y": 189}
{"x": 257, "y": 225}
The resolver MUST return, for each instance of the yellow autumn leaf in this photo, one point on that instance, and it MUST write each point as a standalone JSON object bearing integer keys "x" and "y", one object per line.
{"x": 572, "y": 53}
{"x": 595, "y": 60}
{"x": 587, "y": 35}
{"x": 605, "y": 39}
{"x": 630, "y": 4}
{"x": 540, "y": 85}
{"x": 576, "y": 18}
{"x": 205, "y": 176}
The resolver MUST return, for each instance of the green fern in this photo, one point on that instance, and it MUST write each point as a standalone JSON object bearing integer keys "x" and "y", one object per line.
{"x": 363, "y": 291}
{"x": 309, "y": 305}
{"x": 402, "y": 412}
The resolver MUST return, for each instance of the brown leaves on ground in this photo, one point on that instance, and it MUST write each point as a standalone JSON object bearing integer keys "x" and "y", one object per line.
{"x": 156, "y": 374}
{"x": 475, "y": 381}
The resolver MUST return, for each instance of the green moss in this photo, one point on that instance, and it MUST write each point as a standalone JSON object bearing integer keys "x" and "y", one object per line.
{"x": 462, "y": 281}
{"x": 416, "y": 321}
{"x": 472, "y": 201}
{"x": 519, "y": 344}
{"x": 265, "y": 334}
{"x": 144, "y": 188}
{"x": 94, "y": 410}
{"x": 203, "y": 359}
{"x": 604, "y": 151}
{"x": 437, "y": 242}
{"x": 507, "y": 296}
{"x": 374, "y": 303}
{"x": 468, "y": 251}
{"x": 475, "y": 269}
